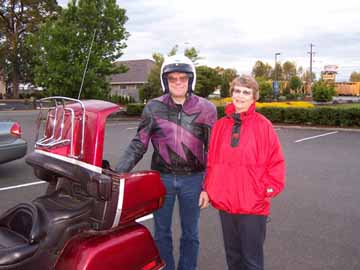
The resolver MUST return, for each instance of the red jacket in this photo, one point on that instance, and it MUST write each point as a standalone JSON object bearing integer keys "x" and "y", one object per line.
{"x": 242, "y": 179}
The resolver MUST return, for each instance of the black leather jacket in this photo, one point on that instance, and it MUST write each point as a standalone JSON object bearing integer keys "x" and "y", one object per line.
{"x": 179, "y": 134}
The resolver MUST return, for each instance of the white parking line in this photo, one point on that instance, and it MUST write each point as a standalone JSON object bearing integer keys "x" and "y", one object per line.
{"x": 113, "y": 124}
{"x": 23, "y": 185}
{"x": 317, "y": 136}
{"x": 131, "y": 128}
{"x": 144, "y": 218}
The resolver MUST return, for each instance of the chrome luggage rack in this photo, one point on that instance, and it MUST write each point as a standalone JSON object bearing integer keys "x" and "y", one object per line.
{"x": 59, "y": 106}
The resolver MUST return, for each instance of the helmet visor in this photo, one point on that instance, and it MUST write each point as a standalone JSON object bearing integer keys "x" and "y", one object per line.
{"x": 177, "y": 67}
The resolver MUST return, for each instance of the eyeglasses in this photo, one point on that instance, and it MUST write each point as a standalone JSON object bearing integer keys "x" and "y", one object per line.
{"x": 181, "y": 79}
{"x": 244, "y": 92}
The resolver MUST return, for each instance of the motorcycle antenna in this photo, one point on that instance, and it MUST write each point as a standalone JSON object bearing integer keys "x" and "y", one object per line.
{"x": 87, "y": 62}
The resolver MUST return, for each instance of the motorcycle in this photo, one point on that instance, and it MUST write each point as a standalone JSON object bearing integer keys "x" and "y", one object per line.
{"x": 86, "y": 220}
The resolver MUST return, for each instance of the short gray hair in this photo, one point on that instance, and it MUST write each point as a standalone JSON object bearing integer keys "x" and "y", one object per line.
{"x": 246, "y": 81}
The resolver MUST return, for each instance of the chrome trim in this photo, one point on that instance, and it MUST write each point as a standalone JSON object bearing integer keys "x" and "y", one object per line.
{"x": 119, "y": 203}
{"x": 60, "y": 108}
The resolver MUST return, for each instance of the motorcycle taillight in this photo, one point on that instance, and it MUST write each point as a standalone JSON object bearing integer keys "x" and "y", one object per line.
{"x": 16, "y": 129}
{"x": 154, "y": 265}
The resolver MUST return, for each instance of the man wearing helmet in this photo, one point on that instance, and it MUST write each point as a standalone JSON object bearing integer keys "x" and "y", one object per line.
{"x": 178, "y": 124}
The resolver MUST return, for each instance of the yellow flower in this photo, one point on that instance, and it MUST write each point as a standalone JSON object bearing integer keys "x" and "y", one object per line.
{"x": 292, "y": 104}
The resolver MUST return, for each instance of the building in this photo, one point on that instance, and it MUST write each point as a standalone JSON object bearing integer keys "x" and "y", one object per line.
{"x": 129, "y": 83}
{"x": 329, "y": 73}
{"x": 348, "y": 88}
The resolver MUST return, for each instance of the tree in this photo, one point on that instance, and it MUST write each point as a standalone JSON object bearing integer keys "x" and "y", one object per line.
{"x": 265, "y": 89}
{"x": 193, "y": 54}
{"x": 262, "y": 70}
{"x": 152, "y": 88}
{"x": 300, "y": 71}
{"x": 306, "y": 76}
{"x": 289, "y": 70}
{"x": 277, "y": 72}
{"x": 295, "y": 83}
{"x": 355, "y": 77}
{"x": 227, "y": 75}
{"x": 62, "y": 47}
{"x": 19, "y": 19}
{"x": 207, "y": 79}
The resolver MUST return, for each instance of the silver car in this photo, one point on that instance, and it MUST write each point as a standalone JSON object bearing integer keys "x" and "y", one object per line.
{"x": 12, "y": 146}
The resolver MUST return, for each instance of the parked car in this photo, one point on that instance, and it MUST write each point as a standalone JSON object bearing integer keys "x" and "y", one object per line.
{"x": 12, "y": 146}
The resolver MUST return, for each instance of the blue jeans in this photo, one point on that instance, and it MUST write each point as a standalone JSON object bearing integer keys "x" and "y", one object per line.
{"x": 187, "y": 189}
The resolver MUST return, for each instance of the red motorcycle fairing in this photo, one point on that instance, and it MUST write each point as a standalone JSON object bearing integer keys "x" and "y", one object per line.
{"x": 119, "y": 249}
{"x": 88, "y": 212}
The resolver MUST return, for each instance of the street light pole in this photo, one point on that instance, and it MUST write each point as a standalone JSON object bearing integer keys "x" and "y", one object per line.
{"x": 311, "y": 60}
{"x": 275, "y": 82}
{"x": 275, "y": 70}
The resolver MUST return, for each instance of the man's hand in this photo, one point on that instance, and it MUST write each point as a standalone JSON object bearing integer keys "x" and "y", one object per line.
{"x": 203, "y": 200}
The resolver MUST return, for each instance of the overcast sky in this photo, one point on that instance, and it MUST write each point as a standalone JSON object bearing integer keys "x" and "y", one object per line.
{"x": 234, "y": 33}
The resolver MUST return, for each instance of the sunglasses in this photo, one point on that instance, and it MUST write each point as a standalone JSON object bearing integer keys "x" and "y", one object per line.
{"x": 182, "y": 79}
{"x": 244, "y": 92}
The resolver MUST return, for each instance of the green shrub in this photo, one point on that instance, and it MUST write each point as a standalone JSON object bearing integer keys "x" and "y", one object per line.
{"x": 134, "y": 109}
{"x": 323, "y": 116}
{"x": 220, "y": 111}
{"x": 274, "y": 114}
{"x": 295, "y": 115}
{"x": 265, "y": 90}
{"x": 323, "y": 92}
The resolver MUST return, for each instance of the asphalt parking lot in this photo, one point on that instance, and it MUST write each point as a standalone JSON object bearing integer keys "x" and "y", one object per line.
{"x": 314, "y": 222}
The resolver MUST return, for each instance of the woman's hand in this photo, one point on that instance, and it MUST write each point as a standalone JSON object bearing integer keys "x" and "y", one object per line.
{"x": 204, "y": 200}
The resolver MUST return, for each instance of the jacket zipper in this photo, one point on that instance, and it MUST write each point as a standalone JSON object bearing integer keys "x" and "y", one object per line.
{"x": 177, "y": 135}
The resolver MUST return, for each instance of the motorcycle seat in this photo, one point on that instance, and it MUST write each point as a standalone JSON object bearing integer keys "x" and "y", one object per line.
{"x": 14, "y": 247}
{"x": 21, "y": 228}
{"x": 59, "y": 206}
{"x": 29, "y": 231}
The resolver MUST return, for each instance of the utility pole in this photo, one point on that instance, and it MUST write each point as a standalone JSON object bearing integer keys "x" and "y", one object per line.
{"x": 311, "y": 61}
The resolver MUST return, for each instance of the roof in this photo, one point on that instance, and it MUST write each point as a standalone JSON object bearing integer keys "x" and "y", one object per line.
{"x": 138, "y": 71}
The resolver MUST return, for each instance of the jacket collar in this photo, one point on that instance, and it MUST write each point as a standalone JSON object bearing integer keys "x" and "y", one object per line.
{"x": 230, "y": 110}
{"x": 168, "y": 100}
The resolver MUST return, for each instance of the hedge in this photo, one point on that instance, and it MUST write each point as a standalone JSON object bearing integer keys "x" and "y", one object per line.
{"x": 318, "y": 116}
{"x": 322, "y": 116}
{"x": 134, "y": 109}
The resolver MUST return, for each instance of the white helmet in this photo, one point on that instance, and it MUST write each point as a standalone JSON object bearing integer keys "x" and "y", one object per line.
{"x": 177, "y": 63}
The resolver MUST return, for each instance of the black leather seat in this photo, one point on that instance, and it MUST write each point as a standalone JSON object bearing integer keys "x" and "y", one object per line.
{"x": 32, "y": 233}
{"x": 60, "y": 206}
{"x": 21, "y": 229}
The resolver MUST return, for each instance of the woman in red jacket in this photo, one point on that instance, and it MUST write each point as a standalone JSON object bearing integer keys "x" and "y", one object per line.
{"x": 245, "y": 169}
